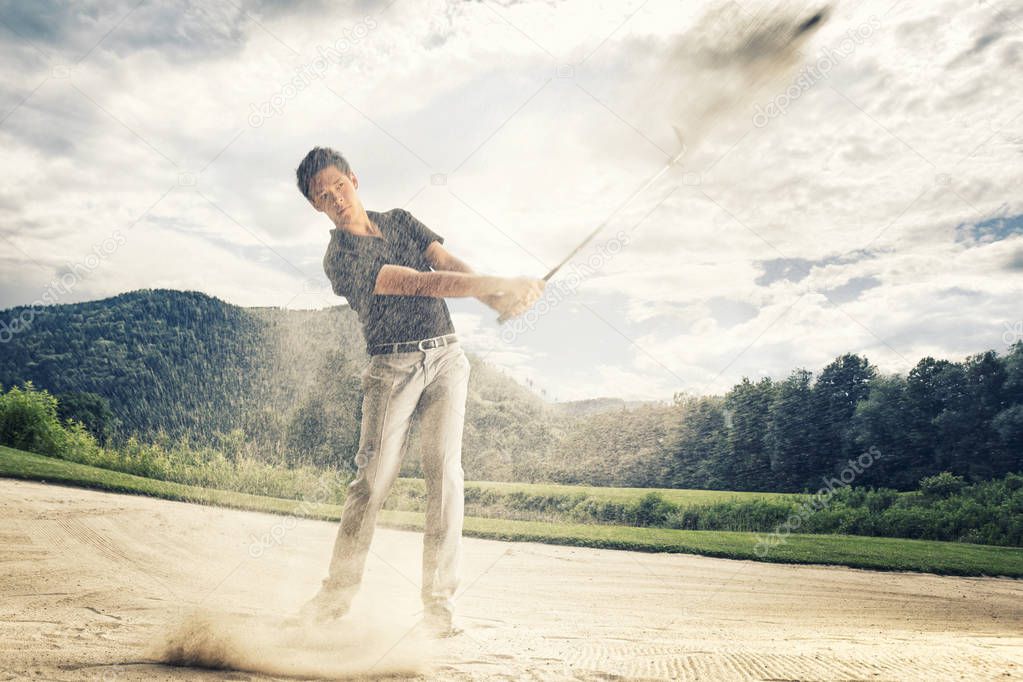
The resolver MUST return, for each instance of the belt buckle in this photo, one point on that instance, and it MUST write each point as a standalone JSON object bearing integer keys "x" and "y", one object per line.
{"x": 435, "y": 342}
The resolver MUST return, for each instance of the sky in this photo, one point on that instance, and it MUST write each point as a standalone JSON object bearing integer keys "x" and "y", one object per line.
{"x": 869, "y": 201}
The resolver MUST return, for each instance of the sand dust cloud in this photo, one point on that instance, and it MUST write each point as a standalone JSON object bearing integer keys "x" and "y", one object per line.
{"x": 353, "y": 647}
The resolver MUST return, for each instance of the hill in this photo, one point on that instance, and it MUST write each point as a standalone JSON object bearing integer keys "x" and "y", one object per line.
{"x": 591, "y": 406}
{"x": 283, "y": 386}
{"x": 183, "y": 364}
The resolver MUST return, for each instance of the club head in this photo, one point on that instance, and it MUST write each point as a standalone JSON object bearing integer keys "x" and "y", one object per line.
{"x": 813, "y": 22}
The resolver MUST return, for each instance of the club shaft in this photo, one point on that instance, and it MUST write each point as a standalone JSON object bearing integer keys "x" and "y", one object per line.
{"x": 625, "y": 203}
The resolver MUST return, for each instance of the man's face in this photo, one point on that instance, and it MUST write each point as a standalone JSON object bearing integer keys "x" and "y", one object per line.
{"x": 334, "y": 193}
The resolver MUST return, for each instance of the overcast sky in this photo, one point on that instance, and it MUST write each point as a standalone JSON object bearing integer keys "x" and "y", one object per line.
{"x": 875, "y": 209}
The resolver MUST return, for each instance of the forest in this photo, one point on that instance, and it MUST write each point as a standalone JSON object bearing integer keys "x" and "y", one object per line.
{"x": 282, "y": 387}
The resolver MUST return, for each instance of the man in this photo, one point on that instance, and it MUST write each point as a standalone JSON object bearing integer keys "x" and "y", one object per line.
{"x": 395, "y": 273}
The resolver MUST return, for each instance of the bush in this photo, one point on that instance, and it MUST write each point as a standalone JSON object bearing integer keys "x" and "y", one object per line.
{"x": 79, "y": 445}
{"x": 651, "y": 510}
{"x": 940, "y": 485}
{"x": 944, "y": 508}
{"x": 28, "y": 421}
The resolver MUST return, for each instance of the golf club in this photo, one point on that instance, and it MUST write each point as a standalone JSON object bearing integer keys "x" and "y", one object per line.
{"x": 813, "y": 22}
{"x": 504, "y": 318}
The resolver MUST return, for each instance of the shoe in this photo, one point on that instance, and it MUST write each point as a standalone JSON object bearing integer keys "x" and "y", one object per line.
{"x": 328, "y": 605}
{"x": 439, "y": 625}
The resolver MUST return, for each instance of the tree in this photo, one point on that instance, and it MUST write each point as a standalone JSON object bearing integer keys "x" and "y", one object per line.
{"x": 92, "y": 410}
{"x": 979, "y": 453}
{"x": 745, "y": 460}
{"x": 838, "y": 389}
{"x": 933, "y": 399}
{"x": 792, "y": 434}
{"x": 879, "y": 422}
{"x": 698, "y": 440}
{"x": 1008, "y": 425}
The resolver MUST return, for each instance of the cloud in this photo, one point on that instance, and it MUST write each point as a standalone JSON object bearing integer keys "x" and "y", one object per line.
{"x": 877, "y": 212}
{"x": 179, "y": 29}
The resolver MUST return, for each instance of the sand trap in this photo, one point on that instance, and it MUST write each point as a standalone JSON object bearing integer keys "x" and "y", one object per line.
{"x": 96, "y": 586}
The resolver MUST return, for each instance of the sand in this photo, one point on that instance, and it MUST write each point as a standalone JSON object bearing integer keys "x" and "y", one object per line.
{"x": 97, "y": 586}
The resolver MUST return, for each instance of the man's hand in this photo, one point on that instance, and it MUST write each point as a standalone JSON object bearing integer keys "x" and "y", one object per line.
{"x": 509, "y": 296}
{"x": 517, "y": 295}
{"x": 504, "y": 304}
{"x": 492, "y": 300}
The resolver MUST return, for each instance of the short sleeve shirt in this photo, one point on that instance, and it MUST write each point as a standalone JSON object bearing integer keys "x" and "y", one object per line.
{"x": 352, "y": 263}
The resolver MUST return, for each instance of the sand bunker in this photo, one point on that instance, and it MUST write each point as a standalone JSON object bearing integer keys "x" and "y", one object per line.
{"x": 92, "y": 582}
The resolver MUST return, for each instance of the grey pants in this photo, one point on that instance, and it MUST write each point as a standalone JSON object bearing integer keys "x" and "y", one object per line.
{"x": 429, "y": 386}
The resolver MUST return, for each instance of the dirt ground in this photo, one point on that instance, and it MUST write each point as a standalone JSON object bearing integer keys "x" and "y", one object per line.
{"x": 96, "y": 586}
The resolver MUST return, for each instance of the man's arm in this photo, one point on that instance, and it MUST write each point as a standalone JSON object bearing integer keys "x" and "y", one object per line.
{"x": 442, "y": 259}
{"x": 398, "y": 280}
{"x": 453, "y": 277}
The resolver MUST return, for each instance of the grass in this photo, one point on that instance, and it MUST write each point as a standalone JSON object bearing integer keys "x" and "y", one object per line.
{"x": 29, "y": 466}
{"x": 888, "y": 554}
{"x": 624, "y": 495}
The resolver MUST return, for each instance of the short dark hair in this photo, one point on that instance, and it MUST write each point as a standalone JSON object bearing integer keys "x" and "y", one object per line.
{"x": 315, "y": 161}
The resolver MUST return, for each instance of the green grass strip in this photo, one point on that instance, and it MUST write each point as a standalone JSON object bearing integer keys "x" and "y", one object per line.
{"x": 888, "y": 554}
{"x": 675, "y": 496}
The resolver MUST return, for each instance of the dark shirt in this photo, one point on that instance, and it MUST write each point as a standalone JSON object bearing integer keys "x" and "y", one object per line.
{"x": 352, "y": 263}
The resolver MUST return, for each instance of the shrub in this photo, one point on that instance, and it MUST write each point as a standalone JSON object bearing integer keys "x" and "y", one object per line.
{"x": 651, "y": 510}
{"x": 28, "y": 421}
{"x": 944, "y": 484}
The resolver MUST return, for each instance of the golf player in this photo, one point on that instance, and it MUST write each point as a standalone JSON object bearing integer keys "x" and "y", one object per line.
{"x": 395, "y": 273}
